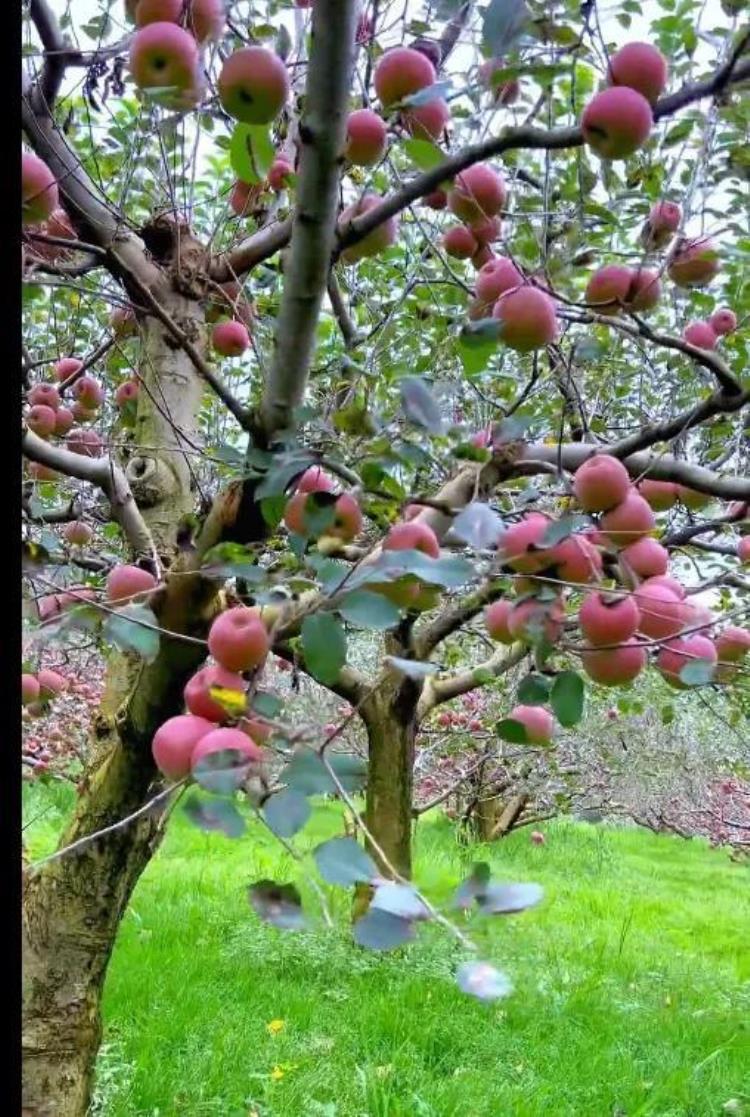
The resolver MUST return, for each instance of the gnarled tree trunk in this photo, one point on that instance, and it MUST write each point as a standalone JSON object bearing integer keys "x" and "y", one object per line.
{"x": 72, "y": 907}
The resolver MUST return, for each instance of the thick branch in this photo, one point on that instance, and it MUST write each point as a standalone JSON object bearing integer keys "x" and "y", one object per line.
{"x": 103, "y": 473}
{"x": 453, "y": 618}
{"x": 55, "y": 47}
{"x": 718, "y": 403}
{"x": 321, "y": 134}
{"x": 443, "y": 690}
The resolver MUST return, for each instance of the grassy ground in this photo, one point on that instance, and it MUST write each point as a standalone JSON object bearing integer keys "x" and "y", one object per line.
{"x": 632, "y": 987}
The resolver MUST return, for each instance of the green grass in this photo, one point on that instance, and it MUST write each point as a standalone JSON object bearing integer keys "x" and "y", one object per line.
{"x": 632, "y": 987}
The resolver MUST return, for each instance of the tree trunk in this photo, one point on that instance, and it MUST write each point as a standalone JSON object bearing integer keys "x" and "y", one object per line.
{"x": 72, "y": 907}
{"x": 390, "y": 717}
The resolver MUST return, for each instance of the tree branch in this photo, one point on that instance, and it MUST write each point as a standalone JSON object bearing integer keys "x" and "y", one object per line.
{"x": 321, "y": 132}
{"x": 436, "y": 691}
{"x": 716, "y": 404}
{"x": 103, "y": 473}
{"x": 451, "y": 619}
{"x": 55, "y": 49}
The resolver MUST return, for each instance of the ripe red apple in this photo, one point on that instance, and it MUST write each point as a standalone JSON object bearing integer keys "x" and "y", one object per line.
{"x": 608, "y": 619}
{"x": 401, "y": 72}
{"x": 243, "y": 197}
{"x": 645, "y": 290}
{"x": 693, "y": 263}
{"x": 641, "y": 67}
{"x": 39, "y": 192}
{"x": 230, "y": 339}
{"x": 723, "y": 321}
{"x": 533, "y": 620}
{"x": 607, "y": 289}
{"x": 253, "y": 85}
{"x": 671, "y": 584}
{"x": 663, "y": 220}
{"x": 662, "y": 611}
{"x": 428, "y": 121}
{"x": 616, "y": 122}
{"x": 414, "y": 536}
{"x": 614, "y": 666}
{"x": 197, "y": 693}
{"x": 127, "y": 393}
{"x": 87, "y": 443}
{"x": 41, "y": 420}
{"x": 29, "y": 689}
{"x": 520, "y": 546}
{"x": 477, "y": 192}
{"x": 77, "y": 533}
{"x": 600, "y": 483}
{"x": 528, "y": 319}
{"x": 732, "y": 644}
{"x": 628, "y": 521}
{"x": 676, "y": 655}
{"x": 65, "y": 368}
{"x": 482, "y": 256}
{"x": 315, "y": 480}
{"x": 381, "y": 237}
{"x": 495, "y": 278}
{"x": 459, "y": 242}
{"x": 743, "y": 550}
{"x": 238, "y": 639}
{"x": 124, "y": 582}
{"x": 46, "y": 394}
{"x": 537, "y": 838}
{"x": 366, "y": 138}
{"x": 204, "y": 18}
{"x": 51, "y": 683}
{"x": 661, "y": 495}
{"x": 576, "y": 559}
{"x": 645, "y": 557}
{"x": 438, "y": 199}
{"x": 219, "y": 740}
{"x": 174, "y": 743}
{"x": 164, "y": 56}
{"x": 88, "y": 393}
{"x": 700, "y": 334}
{"x": 538, "y": 723}
{"x": 487, "y": 230}
{"x": 278, "y": 173}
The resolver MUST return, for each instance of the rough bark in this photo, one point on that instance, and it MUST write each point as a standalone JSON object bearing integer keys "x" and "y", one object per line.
{"x": 73, "y": 906}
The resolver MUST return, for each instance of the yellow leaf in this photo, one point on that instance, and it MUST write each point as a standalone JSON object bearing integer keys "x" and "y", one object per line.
{"x": 277, "y": 1074}
{"x": 233, "y": 701}
{"x": 275, "y": 1026}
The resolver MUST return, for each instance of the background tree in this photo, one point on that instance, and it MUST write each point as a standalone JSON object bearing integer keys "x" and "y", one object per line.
{"x": 205, "y": 195}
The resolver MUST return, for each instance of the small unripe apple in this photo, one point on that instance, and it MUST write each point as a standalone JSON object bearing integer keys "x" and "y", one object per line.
{"x": 723, "y": 321}
{"x": 124, "y": 582}
{"x": 401, "y": 72}
{"x": 230, "y": 339}
{"x": 628, "y": 521}
{"x": 639, "y": 66}
{"x": 616, "y": 122}
{"x": 676, "y": 655}
{"x": 601, "y": 483}
{"x": 693, "y": 263}
{"x": 238, "y": 639}
{"x": 477, "y": 192}
{"x": 29, "y": 689}
{"x": 495, "y": 278}
{"x": 41, "y": 420}
{"x": 39, "y": 191}
{"x": 614, "y": 666}
{"x": 607, "y": 289}
{"x": 608, "y": 619}
{"x": 528, "y": 319}
{"x": 164, "y": 56}
{"x": 220, "y": 740}
{"x": 366, "y": 138}
{"x": 538, "y": 723}
{"x": 77, "y": 533}
{"x": 46, "y": 394}
{"x": 174, "y": 743}
{"x": 700, "y": 334}
{"x": 459, "y": 242}
{"x": 198, "y": 697}
{"x": 253, "y": 85}
{"x": 645, "y": 557}
{"x": 661, "y": 495}
{"x": 65, "y": 368}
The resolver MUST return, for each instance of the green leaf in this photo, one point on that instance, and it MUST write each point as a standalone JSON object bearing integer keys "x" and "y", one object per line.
{"x": 369, "y": 610}
{"x": 430, "y": 93}
{"x": 267, "y": 705}
{"x": 343, "y": 861}
{"x": 125, "y": 629}
{"x": 533, "y": 690}
{"x": 382, "y": 930}
{"x": 503, "y": 23}
{"x": 223, "y": 772}
{"x": 399, "y": 899}
{"x": 508, "y": 899}
{"x": 285, "y": 468}
{"x": 562, "y": 528}
{"x": 419, "y": 404}
{"x": 215, "y": 814}
{"x": 479, "y": 526}
{"x": 424, "y": 154}
{"x": 512, "y": 731}
{"x": 477, "y": 343}
{"x": 567, "y": 698}
{"x": 324, "y": 647}
{"x": 251, "y": 152}
{"x": 307, "y": 773}
{"x": 473, "y": 886}
{"x": 698, "y": 672}
{"x": 286, "y": 812}
{"x": 678, "y": 132}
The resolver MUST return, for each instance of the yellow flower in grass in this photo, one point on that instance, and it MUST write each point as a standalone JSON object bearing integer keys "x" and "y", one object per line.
{"x": 277, "y": 1074}
{"x": 273, "y": 1027}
